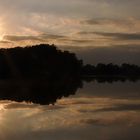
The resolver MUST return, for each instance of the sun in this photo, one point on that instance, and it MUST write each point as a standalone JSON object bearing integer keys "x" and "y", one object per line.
{"x": 2, "y": 30}
{"x": 1, "y": 36}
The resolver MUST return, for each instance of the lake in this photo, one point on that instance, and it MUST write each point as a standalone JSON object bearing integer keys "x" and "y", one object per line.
{"x": 97, "y": 111}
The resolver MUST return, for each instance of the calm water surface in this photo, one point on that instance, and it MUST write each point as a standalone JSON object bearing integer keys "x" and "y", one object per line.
{"x": 98, "y": 111}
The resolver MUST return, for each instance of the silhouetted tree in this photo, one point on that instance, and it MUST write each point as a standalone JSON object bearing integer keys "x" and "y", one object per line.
{"x": 38, "y": 61}
{"x": 42, "y": 73}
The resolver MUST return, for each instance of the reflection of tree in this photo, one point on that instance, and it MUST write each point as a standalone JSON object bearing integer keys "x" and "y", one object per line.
{"x": 39, "y": 91}
{"x": 49, "y": 90}
{"x": 110, "y": 79}
{"x": 124, "y": 70}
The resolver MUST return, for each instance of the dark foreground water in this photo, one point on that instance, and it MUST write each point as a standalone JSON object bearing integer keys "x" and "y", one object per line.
{"x": 98, "y": 111}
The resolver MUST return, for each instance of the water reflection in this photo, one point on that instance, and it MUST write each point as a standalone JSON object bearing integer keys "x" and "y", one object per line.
{"x": 39, "y": 91}
{"x": 48, "y": 91}
{"x": 75, "y": 118}
{"x": 111, "y": 79}
{"x": 99, "y": 111}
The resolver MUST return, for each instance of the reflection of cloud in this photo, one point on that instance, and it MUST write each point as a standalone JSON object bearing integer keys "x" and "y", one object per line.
{"x": 40, "y": 122}
{"x": 24, "y": 105}
{"x": 53, "y": 107}
{"x": 121, "y": 107}
{"x": 117, "y": 119}
{"x": 74, "y": 101}
{"x": 15, "y": 105}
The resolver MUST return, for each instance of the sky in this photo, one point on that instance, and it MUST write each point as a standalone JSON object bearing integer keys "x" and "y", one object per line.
{"x": 98, "y": 31}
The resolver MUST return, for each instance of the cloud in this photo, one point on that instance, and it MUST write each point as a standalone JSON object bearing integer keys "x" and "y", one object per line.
{"x": 127, "y": 25}
{"x": 4, "y": 42}
{"x": 109, "y": 54}
{"x": 48, "y": 6}
{"x": 102, "y": 21}
{"x": 77, "y": 41}
{"x": 118, "y": 21}
{"x": 85, "y": 32}
{"x": 20, "y": 38}
{"x": 122, "y": 36}
{"x": 42, "y": 37}
{"x": 51, "y": 36}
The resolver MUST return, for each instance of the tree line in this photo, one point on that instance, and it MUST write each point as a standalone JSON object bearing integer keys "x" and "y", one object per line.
{"x": 38, "y": 61}
{"x": 48, "y": 62}
{"x": 42, "y": 73}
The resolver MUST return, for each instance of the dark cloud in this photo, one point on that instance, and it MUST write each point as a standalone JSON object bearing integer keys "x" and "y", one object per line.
{"x": 123, "y": 36}
{"x": 20, "y": 38}
{"x": 119, "y": 119}
{"x": 120, "y": 36}
{"x": 75, "y": 102}
{"x": 81, "y": 40}
{"x": 85, "y": 33}
{"x": 51, "y": 36}
{"x": 76, "y": 41}
{"x": 121, "y": 107}
{"x": 113, "y": 54}
{"x": 91, "y": 121}
{"x": 4, "y": 42}
{"x": 106, "y": 21}
{"x": 92, "y": 22}
{"x": 41, "y": 37}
